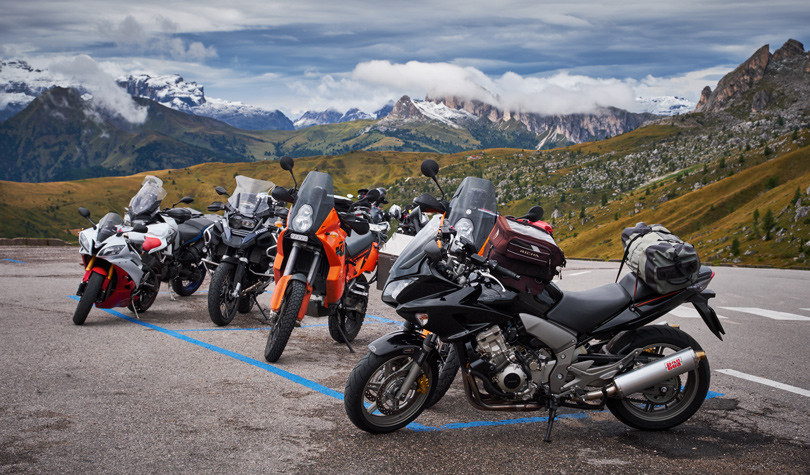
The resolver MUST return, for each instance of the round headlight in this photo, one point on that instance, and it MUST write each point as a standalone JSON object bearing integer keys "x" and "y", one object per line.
{"x": 465, "y": 228}
{"x": 303, "y": 219}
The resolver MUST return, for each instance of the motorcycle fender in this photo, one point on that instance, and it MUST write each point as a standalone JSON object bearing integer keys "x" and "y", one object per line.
{"x": 281, "y": 289}
{"x": 701, "y": 303}
{"x": 409, "y": 341}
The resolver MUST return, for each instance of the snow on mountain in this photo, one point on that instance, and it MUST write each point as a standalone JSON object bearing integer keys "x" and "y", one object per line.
{"x": 173, "y": 91}
{"x": 442, "y": 113}
{"x": 20, "y": 84}
{"x": 666, "y": 105}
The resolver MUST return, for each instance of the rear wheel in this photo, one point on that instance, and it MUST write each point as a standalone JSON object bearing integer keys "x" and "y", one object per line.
{"x": 221, "y": 302}
{"x": 371, "y": 400}
{"x": 668, "y": 403}
{"x": 147, "y": 292}
{"x": 285, "y": 320}
{"x": 186, "y": 287}
{"x": 91, "y": 292}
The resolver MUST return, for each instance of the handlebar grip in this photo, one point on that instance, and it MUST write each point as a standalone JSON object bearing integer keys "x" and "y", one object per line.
{"x": 503, "y": 270}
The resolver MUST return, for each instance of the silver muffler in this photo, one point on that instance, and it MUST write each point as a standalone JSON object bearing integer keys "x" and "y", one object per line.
{"x": 650, "y": 374}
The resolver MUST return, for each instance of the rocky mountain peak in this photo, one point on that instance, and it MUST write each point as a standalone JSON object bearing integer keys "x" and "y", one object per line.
{"x": 791, "y": 49}
{"x": 742, "y": 79}
{"x": 405, "y": 109}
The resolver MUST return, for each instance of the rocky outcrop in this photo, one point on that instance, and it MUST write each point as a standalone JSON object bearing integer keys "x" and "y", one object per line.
{"x": 791, "y": 49}
{"x": 404, "y": 109}
{"x": 742, "y": 79}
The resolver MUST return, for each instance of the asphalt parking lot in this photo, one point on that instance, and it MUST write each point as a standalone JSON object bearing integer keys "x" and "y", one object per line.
{"x": 172, "y": 392}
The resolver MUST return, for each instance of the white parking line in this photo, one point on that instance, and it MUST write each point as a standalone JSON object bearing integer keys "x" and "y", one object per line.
{"x": 688, "y": 311}
{"x": 767, "y": 382}
{"x": 772, "y": 314}
{"x": 579, "y": 273}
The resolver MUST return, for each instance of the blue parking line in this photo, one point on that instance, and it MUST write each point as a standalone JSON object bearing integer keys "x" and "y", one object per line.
{"x": 331, "y": 392}
{"x": 14, "y": 261}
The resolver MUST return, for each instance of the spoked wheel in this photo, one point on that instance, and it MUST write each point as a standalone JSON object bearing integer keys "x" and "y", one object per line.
{"x": 671, "y": 402}
{"x": 146, "y": 294}
{"x": 371, "y": 400}
{"x": 91, "y": 293}
{"x": 186, "y": 287}
{"x": 343, "y": 321}
{"x": 221, "y": 302}
{"x": 448, "y": 368}
{"x": 285, "y": 320}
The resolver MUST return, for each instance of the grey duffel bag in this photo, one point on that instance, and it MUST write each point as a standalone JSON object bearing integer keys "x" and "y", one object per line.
{"x": 659, "y": 258}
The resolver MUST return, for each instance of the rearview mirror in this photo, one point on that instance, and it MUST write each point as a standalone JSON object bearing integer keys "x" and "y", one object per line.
{"x": 216, "y": 206}
{"x": 84, "y": 212}
{"x": 287, "y": 163}
{"x": 280, "y": 193}
{"x": 187, "y": 200}
{"x": 430, "y": 168}
{"x": 221, "y": 191}
{"x": 433, "y": 251}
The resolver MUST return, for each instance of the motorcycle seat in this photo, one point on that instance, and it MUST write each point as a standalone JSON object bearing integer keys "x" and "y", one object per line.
{"x": 192, "y": 229}
{"x": 583, "y": 311}
{"x": 356, "y": 244}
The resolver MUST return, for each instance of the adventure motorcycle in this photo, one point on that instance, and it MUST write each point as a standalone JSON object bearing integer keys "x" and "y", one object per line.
{"x": 326, "y": 249}
{"x": 522, "y": 350}
{"x": 242, "y": 247}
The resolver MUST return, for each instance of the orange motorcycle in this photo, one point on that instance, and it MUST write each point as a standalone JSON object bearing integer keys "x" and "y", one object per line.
{"x": 327, "y": 253}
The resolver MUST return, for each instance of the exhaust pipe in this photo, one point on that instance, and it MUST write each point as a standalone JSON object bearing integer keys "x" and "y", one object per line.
{"x": 644, "y": 377}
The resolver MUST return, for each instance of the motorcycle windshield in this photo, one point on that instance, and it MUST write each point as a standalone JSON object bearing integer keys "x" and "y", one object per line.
{"x": 148, "y": 198}
{"x": 315, "y": 201}
{"x": 108, "y": 226}
{"x": 251, "y": 196}
{"x": 473, "y": 210}
{"x": 408, "y": 261}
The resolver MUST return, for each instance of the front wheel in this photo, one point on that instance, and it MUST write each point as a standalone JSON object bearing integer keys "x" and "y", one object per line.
{"x": 147, "y": 292}
{"x": 668, "y": 403}
{"x": 91, "y": 291}
{"x": 371, "y": 400}
{"x": 285, "y": 320}
{"x": 221, "y": 302}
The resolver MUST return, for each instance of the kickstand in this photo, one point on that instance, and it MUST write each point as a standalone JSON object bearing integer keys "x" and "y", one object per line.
{"x": 345, "y": 340}
{"x": 256, "y": 301}
{"x": 552, "y": 413}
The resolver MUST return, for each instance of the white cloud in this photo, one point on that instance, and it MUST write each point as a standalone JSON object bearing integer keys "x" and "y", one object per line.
{"x": 157, "y": 37}
{"x": 107, "y": 96}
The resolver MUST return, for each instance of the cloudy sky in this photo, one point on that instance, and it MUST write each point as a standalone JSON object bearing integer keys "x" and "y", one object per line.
{"x": 314, "y": 54}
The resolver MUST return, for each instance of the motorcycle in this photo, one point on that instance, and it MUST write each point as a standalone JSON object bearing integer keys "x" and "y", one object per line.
{"x": 324, "y": 252}
{"x": 241, "y": 248}
{"x": 522, "y": 350}
{"x": 114, "y": 273}
{"x": 176, "y": 247}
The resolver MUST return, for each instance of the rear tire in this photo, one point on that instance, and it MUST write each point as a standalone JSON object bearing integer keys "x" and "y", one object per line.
{"x": 147, "y": 293}
{"x": 370, "y": 396}
{"x": 91, "y": 292}
{"x": 285, "y": 321}
{"x": 186, "y": 287}
{"x": 221, "y": 304}
{"x": 672, "y": 402}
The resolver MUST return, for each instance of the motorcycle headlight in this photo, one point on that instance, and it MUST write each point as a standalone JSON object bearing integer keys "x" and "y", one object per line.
{"x": 393, "y": 289}
{"x": 111, "y": 250}
{"x": 303, "y": 219}
{"x": 84, "y": 242}
{"x": 465, "y": 228}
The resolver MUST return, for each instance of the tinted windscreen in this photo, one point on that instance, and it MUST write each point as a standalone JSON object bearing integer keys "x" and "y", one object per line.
{"x": 108, "y": 225}
{"x": 408, "y": 261}
{"x": 316, "y": 191}
{"x": 475, "y": 201}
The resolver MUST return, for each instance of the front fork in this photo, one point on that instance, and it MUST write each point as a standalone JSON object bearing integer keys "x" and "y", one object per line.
{"x": 237, "y": 277}
{"x": 418, "y": 360}
{"x": 289, "y": 270}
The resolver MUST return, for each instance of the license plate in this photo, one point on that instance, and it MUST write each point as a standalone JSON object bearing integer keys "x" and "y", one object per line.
{"x": 299, "y": 237}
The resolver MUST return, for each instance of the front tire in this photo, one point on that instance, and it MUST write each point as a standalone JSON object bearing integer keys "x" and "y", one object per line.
{"x": 91, "y": 292}
{"x": 671, "y": 402}
{"x": 448, "y": 368}
{"x": 285, "y": 321}
{"x": 147, "y": 292}
{"x": 370, "y": 397}
{"x": 221, "y": 303}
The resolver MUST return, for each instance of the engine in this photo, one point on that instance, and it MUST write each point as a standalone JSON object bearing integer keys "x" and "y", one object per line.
{"x": 506, "y": 363}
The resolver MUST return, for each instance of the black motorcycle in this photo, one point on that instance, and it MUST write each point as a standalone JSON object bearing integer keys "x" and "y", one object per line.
{"x": 522, "y": 349}
{"x": 242, "y": 247}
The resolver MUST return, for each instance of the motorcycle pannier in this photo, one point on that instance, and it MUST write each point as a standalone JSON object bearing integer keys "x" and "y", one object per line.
{"x": 526, "y": 250}
{"x": 659, "y": 258}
